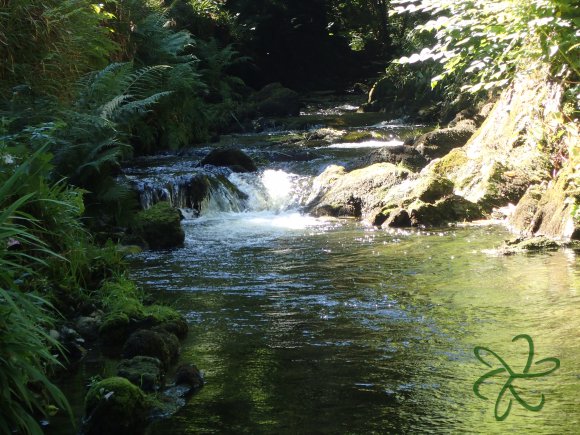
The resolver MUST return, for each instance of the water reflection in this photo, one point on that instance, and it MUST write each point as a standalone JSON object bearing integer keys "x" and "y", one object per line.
{"x": 333, "y": 327}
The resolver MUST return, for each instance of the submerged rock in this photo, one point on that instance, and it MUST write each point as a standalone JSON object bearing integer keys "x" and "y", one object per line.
{"x": 114, "y": 406}
{"x": 160, "y": 226}
{"x": 233, "y": 158}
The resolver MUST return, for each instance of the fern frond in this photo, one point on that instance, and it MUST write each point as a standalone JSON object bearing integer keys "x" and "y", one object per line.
{"x": 108, "y": 110}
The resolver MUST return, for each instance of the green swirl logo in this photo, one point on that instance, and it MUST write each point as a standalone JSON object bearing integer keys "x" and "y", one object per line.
{"x": 513, "y": 376}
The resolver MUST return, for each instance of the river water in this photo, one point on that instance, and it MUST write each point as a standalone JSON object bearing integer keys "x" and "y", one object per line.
{"x": 305, "y": 325}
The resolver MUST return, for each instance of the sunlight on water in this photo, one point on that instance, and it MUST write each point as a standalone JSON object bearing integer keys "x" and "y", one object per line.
{"x": 368, "y": 144}
{"x": 280, "y": 186}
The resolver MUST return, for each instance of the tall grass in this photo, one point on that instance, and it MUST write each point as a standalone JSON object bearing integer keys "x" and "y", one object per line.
{"x": 25, "y": 347}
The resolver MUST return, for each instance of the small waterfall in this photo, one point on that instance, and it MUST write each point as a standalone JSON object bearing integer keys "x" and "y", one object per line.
{"x": 271, "y": 190}
{"x": 203, "y": 191}
{"x": 218, "y": 190}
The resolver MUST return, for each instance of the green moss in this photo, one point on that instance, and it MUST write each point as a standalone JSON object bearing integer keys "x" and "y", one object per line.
{"x": 168, "y": 319}
{"x": 356, "y": 136}
{"x": 143, "y": 371}
{"x": 115, "y": 328}
{"x": 114, "y": 406}
{"x": 450, "y": 162}
{"x": 156, "y": 344}
{"x": 159, "y": 226}
{"x": 430, "y": 189}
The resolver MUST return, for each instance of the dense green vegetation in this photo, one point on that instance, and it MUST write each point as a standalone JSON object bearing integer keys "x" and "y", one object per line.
{"x": 84, "y": 86}
{"x": 78, "y": 82}
{"x": 482, "y": 45}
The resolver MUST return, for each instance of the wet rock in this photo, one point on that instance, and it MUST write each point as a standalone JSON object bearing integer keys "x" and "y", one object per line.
{"x": 114, "y": 406}
{"x": 189, "y": 375}
{"x": 393, "y": 218}
{"x": 424, "y": 200}
{"x": 115, "y": 329}
{"x": 233, "y": 158}
{"x": 522, "y": 218}
{"x": 353, "y": 194}
{"x": 452, "y": 208}
{"x": 549, "y": 211}
{"x": 142, "y": 371}
{"x": 73, "y": 345}
{"x": 160, "y": 226}
{"x": 276, "y": 100}
{"x": 88, "y": 326}
{"x": 292, "y": 156}
{"x": 439, "y": 142}
{"x": 405, "y": 155}
{"x": 520, "y": 245}
{"x": 156, "y": 344}
{"x": 429, "y": 189}
{"x": 188, "y": 379}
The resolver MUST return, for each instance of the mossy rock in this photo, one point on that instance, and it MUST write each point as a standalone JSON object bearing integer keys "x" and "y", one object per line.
{"x": 143, "y": 371}
{"x": 539, "y": 243}
{"x": 114, "y": 406}
{"x": 160, "y": 226}
{"x": 451, "y": 162}
{"x": 356, "y": 136}
{"x": 115, "y": 329}
{"x": 430, "y": 189}
{"x": 156, "y": 344}
{"x": 167, "y": 319}
{"x": 452, "y": 208}
{"x": 189, "y": 374}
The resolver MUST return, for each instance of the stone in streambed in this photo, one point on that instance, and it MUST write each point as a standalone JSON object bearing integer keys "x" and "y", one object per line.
{"x": 233, "y": 158}
{"x": 156, "y": 344}
{"x": 114, "y": 406}
{"x": 143, "y": 371}
{"x": 160, "y": 226}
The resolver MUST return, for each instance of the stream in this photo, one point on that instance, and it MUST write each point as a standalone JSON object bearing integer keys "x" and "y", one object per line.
{"x": 311, "y": 325}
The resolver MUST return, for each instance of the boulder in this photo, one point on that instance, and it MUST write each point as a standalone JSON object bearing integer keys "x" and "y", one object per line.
{"x": 88, "y": 326}
{"x": 143, "y": 371}
{"x": 233, "y": 158}
{"x": 437, "y": 143}
{"x": 189, "y": 375}
{"x": 276, "y": 100}
{"x": 404, "y": 155}
{"x": 114, "y": 406}
{"x": 115, "y": 329}
{"x": 160, "y": 226}
{"x": 503, "y": 157}
{"x": 166, "y": 319}
{"x": 353, "y": 194}
{"x": 551, "y": 211}
{"x": 451, "y": 208}
{"x": 156, "y": 344}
